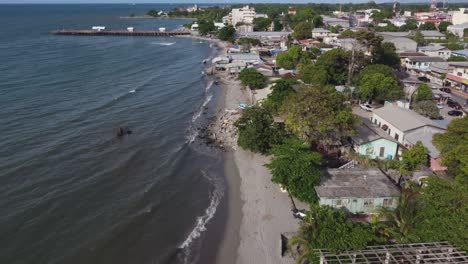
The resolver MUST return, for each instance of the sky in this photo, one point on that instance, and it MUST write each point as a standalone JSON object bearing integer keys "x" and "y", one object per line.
{"x": 193, "y": 1}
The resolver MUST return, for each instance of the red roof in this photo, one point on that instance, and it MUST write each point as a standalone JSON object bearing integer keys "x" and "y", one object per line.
{"x": 454, "y": 78}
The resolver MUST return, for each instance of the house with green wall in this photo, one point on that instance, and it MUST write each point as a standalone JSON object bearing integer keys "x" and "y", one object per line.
{"x": 373, "y": 142}
{"x": 357, "y": 190}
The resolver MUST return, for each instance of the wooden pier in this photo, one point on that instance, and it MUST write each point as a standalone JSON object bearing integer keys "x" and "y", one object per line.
{"x": 135, "y": 33}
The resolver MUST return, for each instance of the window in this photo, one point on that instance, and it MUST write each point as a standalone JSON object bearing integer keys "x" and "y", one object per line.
{"x": 459, "y": 74}
{"x": 338, "y": 203}
{"x": 397, "y": 136}
{"x": 382, "y": 152}
{"x": 389, "y": 130}
{"x": 387, "y": 202}
{"x": 368, "y": 203}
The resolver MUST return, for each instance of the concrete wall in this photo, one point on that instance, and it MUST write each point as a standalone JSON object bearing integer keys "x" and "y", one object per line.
{"x": 391, "y": 129}
{"x": 360, "y": 205}
{"x": 372, "y": 149}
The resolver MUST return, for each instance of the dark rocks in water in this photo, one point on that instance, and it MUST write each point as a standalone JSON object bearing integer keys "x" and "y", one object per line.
{"x": 122, "y": 131}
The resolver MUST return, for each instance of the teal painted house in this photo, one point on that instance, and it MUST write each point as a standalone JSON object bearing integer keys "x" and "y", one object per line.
{"x": 374, "y": 142}
{"x": 357, "y": 190}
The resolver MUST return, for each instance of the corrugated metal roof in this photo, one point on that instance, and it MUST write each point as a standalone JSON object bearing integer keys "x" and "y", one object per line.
{"x": 356, "y": 183}
{"x": 404, "y": 119}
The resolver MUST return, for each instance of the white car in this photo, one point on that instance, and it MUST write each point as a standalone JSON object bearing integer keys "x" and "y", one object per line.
{"x": 440, "y": 105}
{"x": 300, "y": 214}
{"x": 366, "y": 107}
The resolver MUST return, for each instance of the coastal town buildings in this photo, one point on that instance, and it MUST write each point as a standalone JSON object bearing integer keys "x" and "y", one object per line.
{"x": 459, "y": 75}
{"x": 357, "y": 191}
{"x": 435, "y": 50}
{"x": 244, "y": 15}
{"x": 458, "y": 29}
{"x": 460, "y": 16}
{"x": 408, "y": 127}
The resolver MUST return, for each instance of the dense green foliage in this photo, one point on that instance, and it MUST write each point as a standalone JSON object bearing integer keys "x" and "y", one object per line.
{"x": 453, "y": 146}
{"x": 443, "y": 26}
{"x": 319, "y": 115}
{"x": 377, "y": 86}
{"x": 419, "y": 38}
{"x": 376, "y": 68}
{"x": 415, "y": 157}
{"x": 335, "y": 64}
{"x": 296, "y": 167}
{"x": 227, "y": 33}
{"x": 205, "y": 27}
{"x": 443, "y": 215}
{"x": 457, "y": 58}
{"x": 385, "y": 53}
{"x": 423, "y": 92}
{"x": 330, "y": 229}
{"x": 281, "y": 90}
{"x": 214, "y": 13}
{"x": 262, "y": 23}
{"x": 290, "y": 59}
{"x": 303, "y": 30}
{"x": 252, "y": 78}
{"x": 427, "y": 108}
{"x": 153, "y": 13}
{"x": 257, "y": 131}
{"x": 428, "y": 26}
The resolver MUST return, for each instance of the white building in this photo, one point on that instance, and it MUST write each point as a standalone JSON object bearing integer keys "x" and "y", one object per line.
{"x": 244, "y": 15}
{"x": 320, "y": 33}
{"x": 460, "y": 16}
{"x": 458, "y": 29}
{"x": 420, "y": 64}
{"x": 435, "y": 50}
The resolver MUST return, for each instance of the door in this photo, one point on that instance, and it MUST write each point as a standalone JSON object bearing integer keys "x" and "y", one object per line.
{"x": 382, "y": 152}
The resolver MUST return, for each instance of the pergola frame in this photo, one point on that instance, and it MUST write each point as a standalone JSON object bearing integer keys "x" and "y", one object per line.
{"x": 416, "y": 253}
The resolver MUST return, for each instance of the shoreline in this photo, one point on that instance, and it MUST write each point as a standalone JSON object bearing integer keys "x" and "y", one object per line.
{"x": 257, "y": 211}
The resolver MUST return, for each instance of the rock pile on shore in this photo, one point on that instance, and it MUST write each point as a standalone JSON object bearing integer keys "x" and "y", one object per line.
{"x": 223, "y": 132}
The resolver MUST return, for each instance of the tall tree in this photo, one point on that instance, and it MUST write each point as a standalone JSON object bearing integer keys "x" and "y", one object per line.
{"x": 443, "y": 26}
{"x": 415, "y": 157}
{"x": 303, "y": 30}
{"x": 428, "y": 26}
{"x": 379, "y": 87}
{"x": 335, "y": 63}
{"x": 252, "y": 78}
{"x": 386, "y": 54}
{"x": 319, "y": 115}
{"x": 453, "y": 147}
{"x": 262, "y": 23}
{"x": 227, "y": 33}
{"x": 296, "y": 168}
{"x": 257, "y": 131}
{"x": 423, "y": 92}
{"x": 280, "y": 91}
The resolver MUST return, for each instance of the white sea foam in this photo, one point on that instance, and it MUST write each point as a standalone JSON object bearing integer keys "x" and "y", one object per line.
{"x": 163, "y": 43}
{"x": 208, "y": 87}
{"x": 132, "y": 91}
{"x": 209, "y": 212}
{"x": 200, "y": 111}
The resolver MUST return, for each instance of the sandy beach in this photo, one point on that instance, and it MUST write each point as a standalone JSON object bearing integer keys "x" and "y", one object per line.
{"x": 254, "y": 224}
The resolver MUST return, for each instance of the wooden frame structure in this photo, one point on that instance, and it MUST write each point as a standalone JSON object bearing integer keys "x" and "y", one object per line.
{"x": 416, "y": 253}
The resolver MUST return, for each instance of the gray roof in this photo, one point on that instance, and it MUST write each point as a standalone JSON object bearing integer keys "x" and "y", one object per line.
{"x": 461, "y": 52}
{"x": 426, "y": 139}
{"x": 440, "y": 67}
{"x": 393, "y": 34}
{"x": 431, "y": 33}
{"x": 368, "y": 132}
{"x": 266, "y": 34}
{"x": 432, "y": 48}
{"x": 320, "y": 30}
{"x": 404, "y": 119}
{"x": 459, "y": 63}
{"x": 426, "y": 59}
{"x": 356, "y": 183}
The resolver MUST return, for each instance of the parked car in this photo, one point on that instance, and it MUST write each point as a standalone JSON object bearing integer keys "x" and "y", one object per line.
{"x": 440, "y": 105}
{"x": 300, "y": 214}
{"x": 424, "y": 79}
{"x": 455, "y": 113}
{"x": 366, "y": 107}
{"x": 453, "y": 104}
{"x": 445, "y": 90}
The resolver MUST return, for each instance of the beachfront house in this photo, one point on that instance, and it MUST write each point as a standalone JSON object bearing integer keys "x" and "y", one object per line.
{"x": 373, "y": 142}
{"x": 408, "y": 127}
{"x": 357, "y": 190}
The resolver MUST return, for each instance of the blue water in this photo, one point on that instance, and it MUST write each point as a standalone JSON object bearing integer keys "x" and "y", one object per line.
{"x": 70, "y": 190}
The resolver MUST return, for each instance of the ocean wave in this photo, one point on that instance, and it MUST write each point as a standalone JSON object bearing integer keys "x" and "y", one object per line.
{"x": 200, "y": 111}
{"x": 208, "y": 87}
{"x": 200, "y": 226}
{"x": 163, "y": 43}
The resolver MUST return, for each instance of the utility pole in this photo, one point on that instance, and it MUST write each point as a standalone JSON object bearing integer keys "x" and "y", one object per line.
{"x": 351, "y": 63}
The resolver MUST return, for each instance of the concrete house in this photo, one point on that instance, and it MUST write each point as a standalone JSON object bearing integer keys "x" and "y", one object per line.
{"x": 357, "y": 190}
{"x": 421, "y": 63}
{"x": 459, "y": 75}
{"x": 436, "y": 50}
{"x": 373, "y": 142}
{"x": 320, "y": 33}
{"x": 408, "y": 127}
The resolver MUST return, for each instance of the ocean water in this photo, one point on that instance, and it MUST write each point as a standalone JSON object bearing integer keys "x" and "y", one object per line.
{"x": 70, "y": 190}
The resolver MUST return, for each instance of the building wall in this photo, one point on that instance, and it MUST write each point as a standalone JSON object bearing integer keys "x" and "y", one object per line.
{"x": 445, "y": 53}
{"x": 403, "y": 44}
{"x": 360, "y": 205}
{"x": 459, "y": 17}
{"x": 243, "y": 15}
{"x": 392, "y": 131}
{"x": 372, "y": 149}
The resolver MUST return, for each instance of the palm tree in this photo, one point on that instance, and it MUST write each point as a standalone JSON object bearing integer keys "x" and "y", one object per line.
{"x": 404, "y": 218}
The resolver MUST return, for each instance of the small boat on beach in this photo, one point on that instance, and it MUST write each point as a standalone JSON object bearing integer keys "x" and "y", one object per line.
{"x": 204, "y": 61}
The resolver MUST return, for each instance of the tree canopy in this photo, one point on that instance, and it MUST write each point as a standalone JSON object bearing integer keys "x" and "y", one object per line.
{"x": 296, "y": 167}
{"x": 379, "y": 87}
{"x": 423, "y": 92}
{"x": 290, "y": 59}
{"x": 335, "y": 64}
{"x": 385, "y": 53}
{"x": 281, "y": 90}
{"x": 262, "y": 23}
{"x": 427, "y": 108}
{"x": 415, "y": 157}
{"x": 453, "y": 147}
{"x": 205, "y": 27}
{"x": 319, "y": 115}
{"x": 257, "y": 131}
{"x": 457, "y": 58}
{"x": 227, "y": 33}
{"x": 303, "y": 30}
{"x": 428, "y": 26}
{"x": 443, "y": 26}
{"x": 252, "y": 78}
